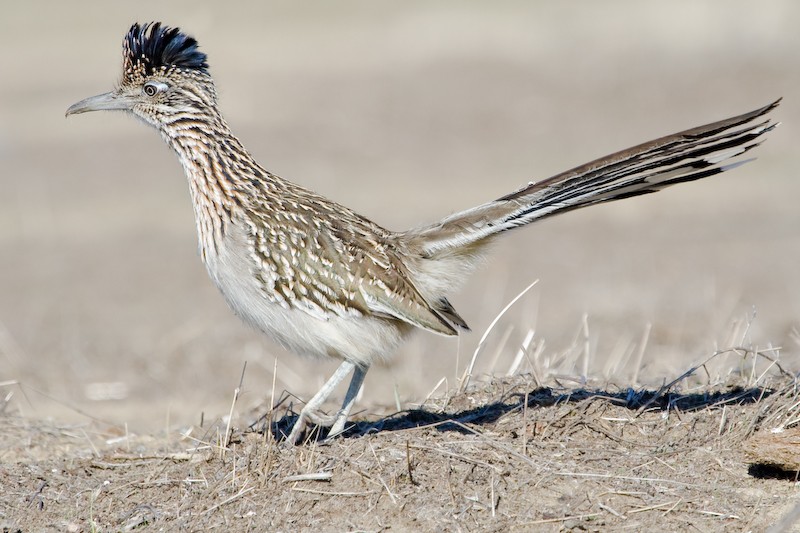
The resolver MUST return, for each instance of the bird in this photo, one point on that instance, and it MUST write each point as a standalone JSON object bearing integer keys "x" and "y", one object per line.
{"x": 324, "y": 281}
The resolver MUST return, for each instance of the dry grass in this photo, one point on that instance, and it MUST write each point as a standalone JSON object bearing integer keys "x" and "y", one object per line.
{"x": 507, "y": 454}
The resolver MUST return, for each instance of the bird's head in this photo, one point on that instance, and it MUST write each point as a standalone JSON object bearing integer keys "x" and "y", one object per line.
{"x": 164, "y": 78}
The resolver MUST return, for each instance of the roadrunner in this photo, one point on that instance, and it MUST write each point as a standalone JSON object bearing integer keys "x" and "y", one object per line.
{"x": 324, "y": 281}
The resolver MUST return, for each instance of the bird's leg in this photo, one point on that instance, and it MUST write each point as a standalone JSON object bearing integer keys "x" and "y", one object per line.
{"x": 309, "y": 412}
{"x": 352, "y": 392}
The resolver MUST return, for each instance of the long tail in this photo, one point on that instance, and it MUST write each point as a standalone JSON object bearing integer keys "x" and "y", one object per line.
{"x": 690, "y": 155}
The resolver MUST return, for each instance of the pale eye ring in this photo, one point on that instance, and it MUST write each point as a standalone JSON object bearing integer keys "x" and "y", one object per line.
{"x": 151, "y": 88}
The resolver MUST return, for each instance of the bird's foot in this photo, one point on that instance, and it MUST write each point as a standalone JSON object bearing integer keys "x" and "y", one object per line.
{"x": 311, "y": 413}
{"x": 305, "y": 417}
{"x": 338, "y": 426}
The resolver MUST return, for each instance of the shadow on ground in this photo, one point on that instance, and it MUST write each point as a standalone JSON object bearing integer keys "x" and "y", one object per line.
{"x": 458, "y": 420}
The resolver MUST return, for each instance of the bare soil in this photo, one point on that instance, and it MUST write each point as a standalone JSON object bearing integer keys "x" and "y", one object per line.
{"x": 506, "y": 456}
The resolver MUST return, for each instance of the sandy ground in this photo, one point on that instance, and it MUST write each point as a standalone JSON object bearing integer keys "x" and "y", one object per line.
{"x": 405, "y": 112}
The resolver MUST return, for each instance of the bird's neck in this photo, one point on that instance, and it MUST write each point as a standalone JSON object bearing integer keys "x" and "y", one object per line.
{"x": 220, "y": 171}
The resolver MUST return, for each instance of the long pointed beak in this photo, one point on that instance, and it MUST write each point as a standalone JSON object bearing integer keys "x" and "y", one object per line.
{"x": 102, "y": 102}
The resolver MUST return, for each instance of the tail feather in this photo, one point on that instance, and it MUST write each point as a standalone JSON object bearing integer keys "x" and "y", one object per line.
{"x": 686, "y": 156}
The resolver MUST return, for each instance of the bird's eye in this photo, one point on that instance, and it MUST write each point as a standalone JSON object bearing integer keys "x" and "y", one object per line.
{"x": 151, "y": 88}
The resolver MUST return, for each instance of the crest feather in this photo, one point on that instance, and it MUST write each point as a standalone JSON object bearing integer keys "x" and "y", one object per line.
{"x": 151, "y": 47}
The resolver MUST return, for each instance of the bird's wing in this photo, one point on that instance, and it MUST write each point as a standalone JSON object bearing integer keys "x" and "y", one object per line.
{"x": 342, "y": 265}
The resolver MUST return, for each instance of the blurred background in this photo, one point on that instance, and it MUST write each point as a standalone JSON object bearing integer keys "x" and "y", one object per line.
{"x": 404, "y": 111}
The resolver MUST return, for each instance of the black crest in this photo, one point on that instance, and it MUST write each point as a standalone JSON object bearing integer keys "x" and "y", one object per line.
{"x": 152, "y": 47}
